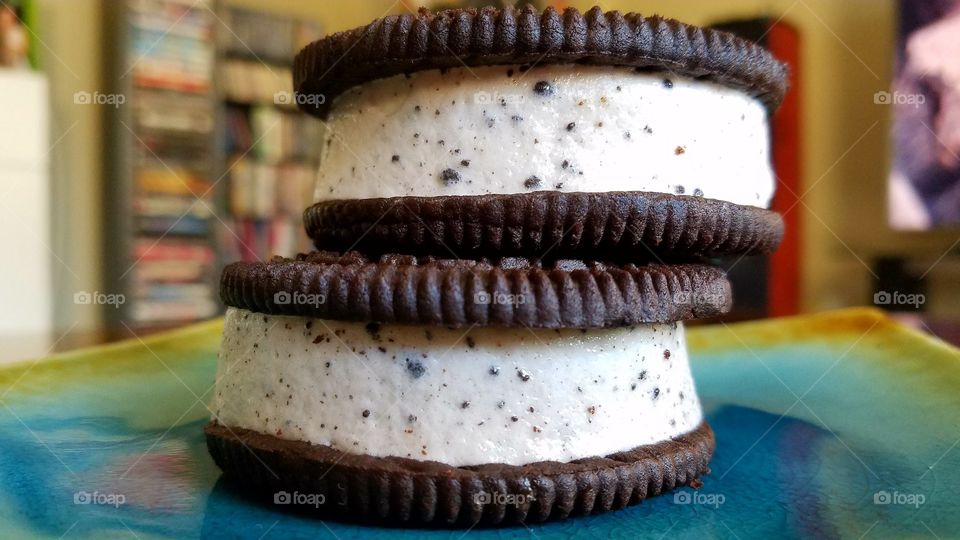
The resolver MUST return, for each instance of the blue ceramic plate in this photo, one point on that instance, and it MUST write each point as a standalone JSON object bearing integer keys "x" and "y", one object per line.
{"x": 843, "y": 424}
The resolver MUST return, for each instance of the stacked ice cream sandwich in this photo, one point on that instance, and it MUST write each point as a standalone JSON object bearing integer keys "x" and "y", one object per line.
{"x": 512, "y": 213}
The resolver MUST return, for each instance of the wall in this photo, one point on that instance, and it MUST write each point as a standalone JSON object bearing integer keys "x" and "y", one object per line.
{"x": 70, "y": 55}
{"x": 24, "y": 215}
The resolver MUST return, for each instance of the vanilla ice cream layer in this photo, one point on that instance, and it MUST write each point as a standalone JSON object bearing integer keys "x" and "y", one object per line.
{"x": 511, "y": 396}
{"x": 578, "y": 128}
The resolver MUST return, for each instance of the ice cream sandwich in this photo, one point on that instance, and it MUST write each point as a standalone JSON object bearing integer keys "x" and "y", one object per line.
{"x": 513, "y": 216}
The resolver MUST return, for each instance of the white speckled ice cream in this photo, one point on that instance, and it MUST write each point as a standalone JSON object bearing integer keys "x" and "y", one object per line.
{"x": 472, "y": 131}
{"x": 490, "y": 395}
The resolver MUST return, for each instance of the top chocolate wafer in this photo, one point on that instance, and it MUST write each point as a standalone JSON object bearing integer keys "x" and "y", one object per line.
{"x": 490, "y": 36}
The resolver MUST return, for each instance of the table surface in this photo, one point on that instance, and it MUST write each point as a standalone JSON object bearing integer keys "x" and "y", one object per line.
{"x": 843, "y": 424}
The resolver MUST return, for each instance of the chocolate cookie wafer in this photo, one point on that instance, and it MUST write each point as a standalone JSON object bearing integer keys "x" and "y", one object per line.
{"x": 617, "y": 225}
{"x": 405, "y": 491}
{"x": 454, "y": 292}
{"x": 490, "y": 36}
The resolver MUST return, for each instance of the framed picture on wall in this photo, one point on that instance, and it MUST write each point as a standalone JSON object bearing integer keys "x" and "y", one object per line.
{"x": 924, "y": 183}
{"x": 16, "y": 49}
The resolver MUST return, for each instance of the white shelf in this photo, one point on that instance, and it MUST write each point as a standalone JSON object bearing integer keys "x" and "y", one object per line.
{"x": 25, "y": 287}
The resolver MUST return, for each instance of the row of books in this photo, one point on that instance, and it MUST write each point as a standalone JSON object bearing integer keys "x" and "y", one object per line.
{"x": 178, "y": 63}
{"x": 245, "y": 81}
{"x": 270, "y": 38}
{"x": 272, "y": 135}
{"x": 171, "y": 281}
{"x": 260, "y": 239}
{"x": 160, "y": 180}
{"x": 171, "y": 45}
{"x": 174, "y": 202}
{"x": 184, "y": 18}
{"x": 174, "y": 112}
{"x": 261, "y": 190}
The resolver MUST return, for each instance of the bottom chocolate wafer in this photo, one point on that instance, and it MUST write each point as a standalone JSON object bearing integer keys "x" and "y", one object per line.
{"x": 399, "y": 491}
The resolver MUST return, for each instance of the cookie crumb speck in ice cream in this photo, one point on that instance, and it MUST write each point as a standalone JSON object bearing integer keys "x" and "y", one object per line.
{"x": 498, "y": 296}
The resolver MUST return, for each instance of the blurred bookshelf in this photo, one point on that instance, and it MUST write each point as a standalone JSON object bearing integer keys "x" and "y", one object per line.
{"x": 209, "y": 160}
{"x": 270, "y": 147}
{"x": 160, "y": 188}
